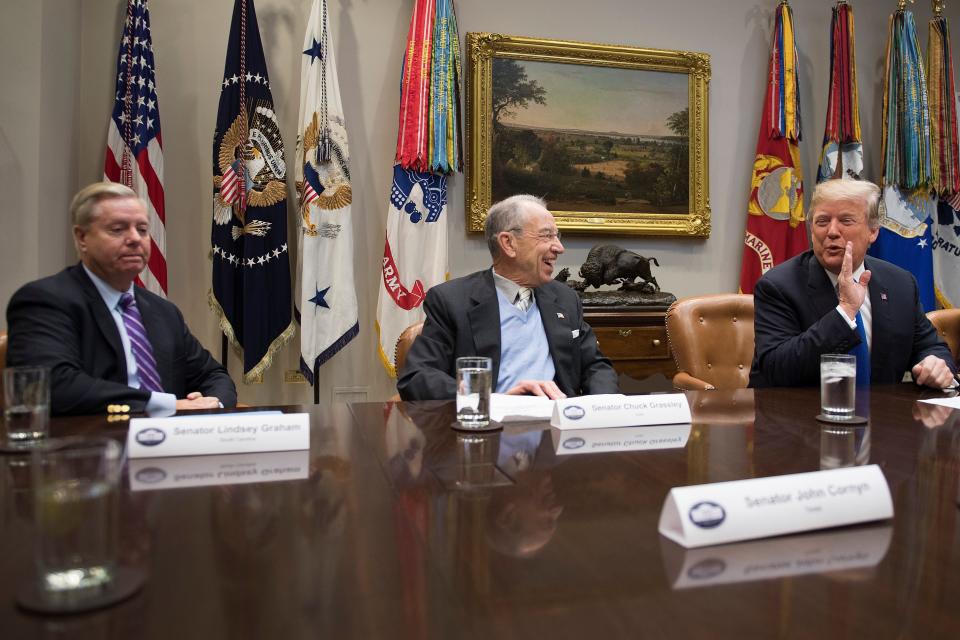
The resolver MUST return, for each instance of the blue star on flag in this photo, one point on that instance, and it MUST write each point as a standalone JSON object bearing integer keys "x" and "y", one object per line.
{"x": 318, "y": 299}
{"x": 315, "y": 51}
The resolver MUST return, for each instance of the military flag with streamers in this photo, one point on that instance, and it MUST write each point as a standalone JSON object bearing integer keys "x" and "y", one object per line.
{"x": 251, "y": 270}
{"x": 327, "y": 292}
{"x": 775, "y": 230}
{"x": 428, "y": 146}
{"x": 134, "y": 153}
{"x": 907, "y": 207}
{"x": 842, "y": 154}
{"x": 946, "y": 163}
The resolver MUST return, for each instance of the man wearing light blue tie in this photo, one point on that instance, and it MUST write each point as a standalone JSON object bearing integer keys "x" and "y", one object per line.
{"x": 834, "y": 299}
{"x": 111, "y": 346}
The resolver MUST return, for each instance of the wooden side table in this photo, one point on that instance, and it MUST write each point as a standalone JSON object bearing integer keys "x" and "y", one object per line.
{"x": 635, "y": 341}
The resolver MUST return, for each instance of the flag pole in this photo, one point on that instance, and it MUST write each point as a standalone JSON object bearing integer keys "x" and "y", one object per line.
{"x": 316, "y": 383}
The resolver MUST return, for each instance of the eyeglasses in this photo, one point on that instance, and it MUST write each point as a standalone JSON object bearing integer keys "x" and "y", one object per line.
{"x": 543, "y": 236}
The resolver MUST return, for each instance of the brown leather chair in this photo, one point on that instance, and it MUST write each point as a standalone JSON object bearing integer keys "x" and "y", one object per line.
{"x": 947, "y": 324}
{"x": 711, "y": 339}
{"x": 404, "y": 342}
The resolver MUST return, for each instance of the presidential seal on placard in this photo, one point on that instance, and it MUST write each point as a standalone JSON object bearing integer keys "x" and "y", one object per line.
{"x": 707, "y": 515}
{"x": 150, "y": 437}
{"x": 574, "y": 412}
{"x": 574, "y": 443}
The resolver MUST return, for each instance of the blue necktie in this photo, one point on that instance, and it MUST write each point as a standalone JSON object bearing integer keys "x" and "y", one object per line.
{"x": 863, "y": 355}
{"x": 140, "y": 344}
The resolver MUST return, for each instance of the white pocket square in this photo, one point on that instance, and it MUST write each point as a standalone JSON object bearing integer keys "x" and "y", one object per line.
{"x": 575, "y": 333}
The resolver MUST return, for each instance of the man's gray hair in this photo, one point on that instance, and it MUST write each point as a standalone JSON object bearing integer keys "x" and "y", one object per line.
{"x": 83, "y": 204}
{"x": 839, "y": 189}
{"x": 507, "y": 215}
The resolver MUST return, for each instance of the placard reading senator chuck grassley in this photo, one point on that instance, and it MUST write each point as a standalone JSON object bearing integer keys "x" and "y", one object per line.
{"x": 618, "y": 410}
{"x": 218, "y": 433}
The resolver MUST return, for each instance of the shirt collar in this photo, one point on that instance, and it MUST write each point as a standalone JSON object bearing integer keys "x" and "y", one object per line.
{"x": 507, "y": 287}
{"x": 111, "y": 297}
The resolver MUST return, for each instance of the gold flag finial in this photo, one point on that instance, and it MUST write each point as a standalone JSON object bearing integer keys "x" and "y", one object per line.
{"x": 938, "y": 6}
{"x": 902, "y": 4}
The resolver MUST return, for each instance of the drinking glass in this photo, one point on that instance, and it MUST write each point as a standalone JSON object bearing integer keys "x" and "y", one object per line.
{"x": 75, "y": 489}
{"x": 474, "y": 376}
{"x": 838, "y": 382}
{"x": 26, "y": 405}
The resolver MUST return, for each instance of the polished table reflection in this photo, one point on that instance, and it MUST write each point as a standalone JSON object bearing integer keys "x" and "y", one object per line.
{"x": 405, "y": 528}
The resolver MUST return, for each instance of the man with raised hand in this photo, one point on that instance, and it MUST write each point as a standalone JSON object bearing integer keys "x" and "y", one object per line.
{"x": 529, "y": 325}
{"x": 835, "y": 299}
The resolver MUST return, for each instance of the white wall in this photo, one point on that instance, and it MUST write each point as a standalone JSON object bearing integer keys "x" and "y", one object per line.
{"x": 54, "y": 125}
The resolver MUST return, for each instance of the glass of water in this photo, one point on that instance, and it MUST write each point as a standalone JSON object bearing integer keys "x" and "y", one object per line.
{"x": 26, "y": 405}
{"x": 75, "y": 489}
{"x": 838, "y": 383}
{"x": 474, "y": 376}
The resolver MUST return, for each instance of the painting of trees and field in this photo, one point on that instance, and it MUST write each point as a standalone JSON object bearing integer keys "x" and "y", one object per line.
{"x": 591, "y": 138}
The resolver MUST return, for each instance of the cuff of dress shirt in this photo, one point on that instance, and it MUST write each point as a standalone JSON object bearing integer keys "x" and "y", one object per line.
{"x": 852, "y": 323}
{"x": 161, "y": 403}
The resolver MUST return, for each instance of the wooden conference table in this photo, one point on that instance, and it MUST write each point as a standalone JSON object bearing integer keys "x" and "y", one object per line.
{"x": 403, "y": 529}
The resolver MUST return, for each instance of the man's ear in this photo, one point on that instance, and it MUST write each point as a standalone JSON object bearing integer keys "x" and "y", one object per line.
{"x": 79, "y": 238}
{"x": 508, "y": 244}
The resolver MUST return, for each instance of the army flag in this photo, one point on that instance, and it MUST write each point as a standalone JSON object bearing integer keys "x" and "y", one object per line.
{"x": 327, "y": 292}
{"x": 946, "y": 163}
{"x": 415, "y": 247}
{"x": 775, "y": 230}
{"x": 134, "y": 155}
{"x": 251, "y": 270}
{"x": 907, "y": 208}
{"x": 842, "y": 154}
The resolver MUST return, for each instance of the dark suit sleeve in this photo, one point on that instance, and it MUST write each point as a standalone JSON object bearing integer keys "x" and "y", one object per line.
{"x": 926, "y": 342}
{"x": 596, "y": 372}
{"x": 429, "y": 370}
{"x": 202, "y": 372}
{"x": 787, "y": 355}
{"x": 43, "y": 333}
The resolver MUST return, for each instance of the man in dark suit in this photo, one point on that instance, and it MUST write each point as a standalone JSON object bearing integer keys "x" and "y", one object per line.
{"x": 530, "y": 326}
{"x": 821, "y": 300}
{"x": 111, "y": 346}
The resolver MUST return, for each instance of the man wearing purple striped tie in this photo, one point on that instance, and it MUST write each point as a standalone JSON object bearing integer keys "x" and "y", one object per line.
{"x": 112, "y": 346}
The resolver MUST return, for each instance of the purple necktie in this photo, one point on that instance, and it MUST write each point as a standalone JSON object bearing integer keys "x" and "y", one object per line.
{"x": 140, "y": 344}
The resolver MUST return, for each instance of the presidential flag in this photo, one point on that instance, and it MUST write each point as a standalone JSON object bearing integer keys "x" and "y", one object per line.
{"x": 907, "y": 208}
{"x": 134, "y": 154}
{"x": 327, "y": 292}
{"x": 415, "y": 248}
{"x": 842, "y": 154}
{"x": 946, "y": 163}
{"x": 251, "y": 271}
{"x": 775, "y": 230}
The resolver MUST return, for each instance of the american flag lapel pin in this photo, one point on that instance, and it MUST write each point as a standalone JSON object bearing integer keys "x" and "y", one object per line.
{"x": 883, "y": 296}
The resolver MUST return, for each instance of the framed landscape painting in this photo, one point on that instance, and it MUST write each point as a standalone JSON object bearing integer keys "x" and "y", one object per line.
{"x": 613, "y": 138}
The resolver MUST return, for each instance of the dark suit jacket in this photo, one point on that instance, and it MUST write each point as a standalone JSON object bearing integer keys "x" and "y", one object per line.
{"x": 463, "y": 319}
{"x": 796, "y": 321}
{"x": 62, "y": 322}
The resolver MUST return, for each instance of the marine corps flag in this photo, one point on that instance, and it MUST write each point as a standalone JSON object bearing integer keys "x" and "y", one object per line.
{"x": 907, "y": 207}
{"x": 842, "y": 155}
{"x": 251, "y": 271}
{"x": 415, "y": 248}
{"x": 327, "y": 293}
{"x": 946, "y": 163}
{"x": 775, "y": 211}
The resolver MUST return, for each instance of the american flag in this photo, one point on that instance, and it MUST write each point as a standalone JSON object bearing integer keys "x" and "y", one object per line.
{"x": 134, "y": 154}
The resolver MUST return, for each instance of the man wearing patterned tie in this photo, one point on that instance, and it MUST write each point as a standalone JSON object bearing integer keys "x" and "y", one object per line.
{"x": 835, "y": 299}
{"x": 111, "y": 346}
{"x": 529, "y": 325}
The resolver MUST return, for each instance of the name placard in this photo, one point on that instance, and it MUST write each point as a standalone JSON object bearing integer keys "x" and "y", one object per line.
{"x": 618, "y": 410}
{"x": 151, "y": 474}
{"x": 823, "y": 552}
{"x": 218, "y": 433}
{"x": 574, "y": 441}
{"x": 721, "y": 512}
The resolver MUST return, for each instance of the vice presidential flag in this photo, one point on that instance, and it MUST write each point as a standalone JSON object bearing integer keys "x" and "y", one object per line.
{"x": 251, "y": 271}
{"x": 134, "y": 154}
{"x": 775, "y": 210}
{"x": 327, "y": 293}
{"x": 907, "y": 207}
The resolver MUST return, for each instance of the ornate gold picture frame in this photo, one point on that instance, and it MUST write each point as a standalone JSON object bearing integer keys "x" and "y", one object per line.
{"x": 614, "y": 138}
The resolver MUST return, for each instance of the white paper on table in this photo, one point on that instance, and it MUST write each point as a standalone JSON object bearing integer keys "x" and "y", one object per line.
{"x": 508, "y": 408}
{"x": 953, "y": 403}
